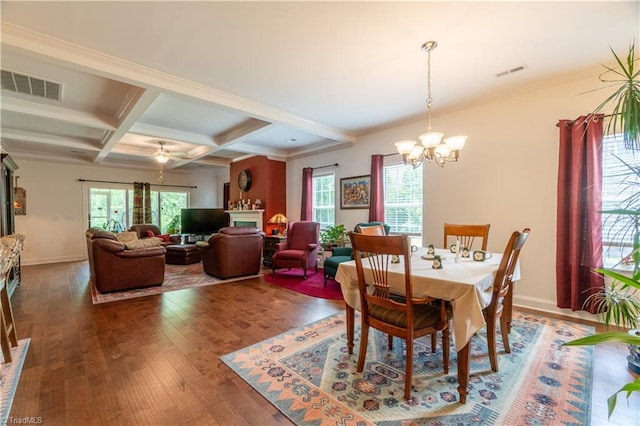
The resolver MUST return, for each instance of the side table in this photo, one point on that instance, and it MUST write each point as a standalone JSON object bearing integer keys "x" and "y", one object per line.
{"x": 270, "y": 243}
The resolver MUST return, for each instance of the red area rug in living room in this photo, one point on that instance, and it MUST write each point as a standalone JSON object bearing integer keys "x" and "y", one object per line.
{"x": 312, "y": 286}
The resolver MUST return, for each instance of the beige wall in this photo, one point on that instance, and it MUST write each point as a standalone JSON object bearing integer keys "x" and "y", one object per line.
{"x": 506, "y": 175}
{"x": 56, "y": 215}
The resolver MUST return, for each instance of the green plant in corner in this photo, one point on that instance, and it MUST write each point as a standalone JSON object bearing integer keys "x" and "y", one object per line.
{"x": 333, "y": 236}
{"x": 616, "y": 305}
{"x": 632, "y": 338}
{"x": 173, "y": 227}
{"x": 625, "y": 101}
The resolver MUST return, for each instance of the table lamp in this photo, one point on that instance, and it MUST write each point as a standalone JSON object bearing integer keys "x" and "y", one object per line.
{"x": 279, "y": 219}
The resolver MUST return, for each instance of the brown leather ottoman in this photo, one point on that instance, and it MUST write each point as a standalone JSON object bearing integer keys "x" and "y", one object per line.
{"x": 182, "y": 254}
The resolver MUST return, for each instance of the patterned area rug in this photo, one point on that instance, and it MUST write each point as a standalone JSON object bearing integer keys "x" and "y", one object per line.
{"x": 312, "y": 286}
{"x": 308, "y": 375}
{"x": 176, "y": 277}
{"x": 9, "y": 377}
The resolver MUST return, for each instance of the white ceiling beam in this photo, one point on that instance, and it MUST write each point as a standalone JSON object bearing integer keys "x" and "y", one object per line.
{"x": 133, "y": 106}
{"x": 243, "y": 130}
{"x": 171, "y": 134}
{"x": 115, "y": 68}
{"x": 46, "y": 139}
{"x": 81, "y": 118}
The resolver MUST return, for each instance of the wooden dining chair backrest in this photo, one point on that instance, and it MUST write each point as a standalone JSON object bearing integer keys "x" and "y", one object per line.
{"x": 377, "y": 229}
{"x": 466, "y": 234}
{"x": 501, "y": 296}
{"x": 406, "y": 317}
{"x": 502, "y": 280}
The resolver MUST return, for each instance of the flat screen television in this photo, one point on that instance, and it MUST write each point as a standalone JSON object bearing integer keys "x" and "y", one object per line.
{"x": 202, "y": 221}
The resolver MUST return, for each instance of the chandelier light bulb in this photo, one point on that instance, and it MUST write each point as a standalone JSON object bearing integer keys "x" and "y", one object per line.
{"x": 431, "y": 139}
{"x": 405, "y": 147}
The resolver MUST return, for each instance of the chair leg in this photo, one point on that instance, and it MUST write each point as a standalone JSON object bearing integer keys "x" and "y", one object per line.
{"x": 364, "y": 339}
{"x": 409, "y": 367}
{"x": 504, "y": 330}
{"x": 434, "y": 339}
{"x": 446, "y": 346}
{"x": 390, "y": 341}
{"x": 491, "y": 343}
{"x": 326, "y": 277}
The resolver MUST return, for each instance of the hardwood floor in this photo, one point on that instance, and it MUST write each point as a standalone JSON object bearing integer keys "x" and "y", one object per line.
{"x": 155, "y": 360}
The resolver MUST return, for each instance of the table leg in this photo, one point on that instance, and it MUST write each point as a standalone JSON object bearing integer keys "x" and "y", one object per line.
{"x": 350, "y": 327}
{"x": 463, "y": 373}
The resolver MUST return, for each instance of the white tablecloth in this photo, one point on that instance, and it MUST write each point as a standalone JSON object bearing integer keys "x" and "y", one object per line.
{"x": 467, "y": 285}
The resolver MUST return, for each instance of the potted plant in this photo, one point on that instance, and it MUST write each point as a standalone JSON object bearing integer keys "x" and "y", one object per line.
{"x": 333, "y": 236}
{"x": 631, "y": 338}
{"x": 615, "y": 302}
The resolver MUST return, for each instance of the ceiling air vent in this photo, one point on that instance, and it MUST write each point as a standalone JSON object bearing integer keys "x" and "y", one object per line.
{"x": 511, "y": 71}
{"x": 32, "y": 86}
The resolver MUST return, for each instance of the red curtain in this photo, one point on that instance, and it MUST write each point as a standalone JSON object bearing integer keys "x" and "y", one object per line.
{"x": 138, "y": 203}
{"x": 579, "y": 225}
{"x": 376, "y": 194}
{"x": 306, "y": 210}
{"x": 148, "y": 217}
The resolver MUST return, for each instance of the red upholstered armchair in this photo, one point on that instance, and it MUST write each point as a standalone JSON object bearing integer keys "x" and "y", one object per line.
{"x": 301, "y": 248}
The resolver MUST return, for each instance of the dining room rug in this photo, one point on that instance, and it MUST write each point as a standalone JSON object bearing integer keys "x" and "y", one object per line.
{"x": 312, "y": 286}
{"x": 176, "y": 277}
{"x": 309, "y": 376}
{"x": 9, "y": 377}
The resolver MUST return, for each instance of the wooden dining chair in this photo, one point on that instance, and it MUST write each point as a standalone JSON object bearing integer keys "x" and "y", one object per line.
{"x": 404, "y": 317}
{"x": 501, "y": 288}
{"x": 466, "y": 234}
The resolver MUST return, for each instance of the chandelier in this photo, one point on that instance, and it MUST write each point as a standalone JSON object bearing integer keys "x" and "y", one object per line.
{"x": 162, "y": 157}
{"x": 434, "y": 147}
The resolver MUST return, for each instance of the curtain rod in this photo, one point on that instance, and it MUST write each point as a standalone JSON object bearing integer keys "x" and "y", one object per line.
{"x": 569, "y": 122}
{"x": 328, "y": 165}
{"x": 131, "y": 183}
{"x": 389, "y": 155}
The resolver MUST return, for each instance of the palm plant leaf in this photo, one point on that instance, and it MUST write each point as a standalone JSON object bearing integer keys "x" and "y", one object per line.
{"x": 625, "y": 100}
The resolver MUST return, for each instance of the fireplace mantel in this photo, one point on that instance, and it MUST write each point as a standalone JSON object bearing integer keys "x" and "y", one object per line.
{"x": 237, "y": 217}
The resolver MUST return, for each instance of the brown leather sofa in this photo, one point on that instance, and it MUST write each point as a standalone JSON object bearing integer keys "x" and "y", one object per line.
{"x": 141, "y": 230}
{"x": 234, "y": 251}
{"x": 114, "y": 267}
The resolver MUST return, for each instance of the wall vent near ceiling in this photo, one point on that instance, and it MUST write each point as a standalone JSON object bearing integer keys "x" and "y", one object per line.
{"x": 511, "y": 71}
{"x": 30, "y": 85}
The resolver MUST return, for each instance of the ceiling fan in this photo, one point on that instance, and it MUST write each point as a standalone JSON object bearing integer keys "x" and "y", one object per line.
{"x": 163, "y": 155}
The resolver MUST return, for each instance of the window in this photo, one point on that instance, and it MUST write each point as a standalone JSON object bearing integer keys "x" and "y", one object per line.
{"x": 111, "y": 207}
{"x": 403, "y": 199}
{"x": 619, "y": 191}
{"x": 324, "y": 200}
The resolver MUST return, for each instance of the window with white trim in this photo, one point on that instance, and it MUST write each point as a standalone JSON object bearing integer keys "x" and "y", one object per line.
{"x": 324, "y": 200}
{"x": 403, "y": 199}
{"x": 620, "y": 190}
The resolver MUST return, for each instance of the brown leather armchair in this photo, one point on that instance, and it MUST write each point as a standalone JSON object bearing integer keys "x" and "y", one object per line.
{"x": 142, "y": 231}
{"x": 234, "y": 251}
{"x": 301, "y": 248}
{"x": 113, "y": 267}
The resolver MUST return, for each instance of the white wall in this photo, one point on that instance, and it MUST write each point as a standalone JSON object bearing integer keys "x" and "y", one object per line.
{"x": 506, "y": 176}
{"x": 56, "y": 219}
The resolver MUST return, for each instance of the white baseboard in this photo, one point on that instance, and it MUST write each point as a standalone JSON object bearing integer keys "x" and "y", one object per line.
{"x": 549, "y": 306}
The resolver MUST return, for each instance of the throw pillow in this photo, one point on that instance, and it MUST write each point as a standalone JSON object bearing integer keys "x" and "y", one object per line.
{"x": 150, "y": 233}
{"x": 164, "y": 237}
{"x": 126, "y": 236}
{"x": 140, "y": 244}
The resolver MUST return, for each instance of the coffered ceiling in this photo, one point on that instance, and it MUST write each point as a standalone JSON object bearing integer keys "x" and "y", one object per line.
{"x": 220, "y": 81}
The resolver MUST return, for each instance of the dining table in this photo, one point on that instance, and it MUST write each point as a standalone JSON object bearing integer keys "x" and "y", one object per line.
{"x": 466, "y": 283}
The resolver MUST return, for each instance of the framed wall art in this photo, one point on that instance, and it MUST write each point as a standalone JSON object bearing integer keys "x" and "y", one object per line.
{"x": 355, "y": 192}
